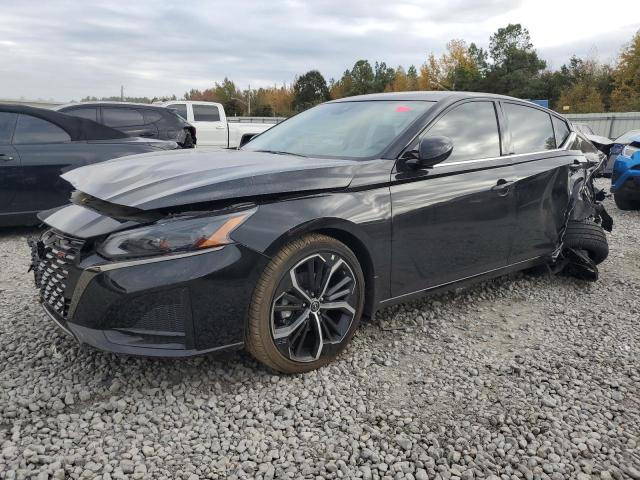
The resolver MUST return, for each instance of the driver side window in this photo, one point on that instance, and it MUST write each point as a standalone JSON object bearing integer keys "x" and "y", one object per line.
{"x": 473, "y": 128}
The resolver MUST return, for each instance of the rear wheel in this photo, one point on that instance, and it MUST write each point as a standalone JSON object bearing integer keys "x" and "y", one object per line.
{"x": 306, "y": 305}
{"x": 589, "y": 236}
{"x": 624, "y": 203}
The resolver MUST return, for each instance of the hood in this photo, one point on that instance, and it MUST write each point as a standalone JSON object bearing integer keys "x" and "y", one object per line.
{"x": 172, "y": 178}
{"x": 601, "y": 143}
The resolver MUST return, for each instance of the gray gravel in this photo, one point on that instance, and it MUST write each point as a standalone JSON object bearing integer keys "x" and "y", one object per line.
{"x": 523, "y": 377}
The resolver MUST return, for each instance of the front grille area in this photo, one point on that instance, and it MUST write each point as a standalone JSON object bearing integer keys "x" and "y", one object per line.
{"x": 51, "y": 258}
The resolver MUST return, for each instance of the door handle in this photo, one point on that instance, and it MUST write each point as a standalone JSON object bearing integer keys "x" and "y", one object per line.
{"x": 220, "y": 127}
{"x": 5, "y": 158}
{"x": 502, "y": 186}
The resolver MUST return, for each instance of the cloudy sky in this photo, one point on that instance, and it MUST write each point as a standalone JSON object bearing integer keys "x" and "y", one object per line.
{"x": 64, "y": 50}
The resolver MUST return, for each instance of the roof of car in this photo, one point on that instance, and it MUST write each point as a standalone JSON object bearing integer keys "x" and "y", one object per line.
{"x": 78, "y": 128}
{"x": 431, "y": 96}
{"x": 110, "y": 104}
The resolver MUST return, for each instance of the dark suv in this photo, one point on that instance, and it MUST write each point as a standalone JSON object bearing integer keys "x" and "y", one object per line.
{"x": 137, "y": 120}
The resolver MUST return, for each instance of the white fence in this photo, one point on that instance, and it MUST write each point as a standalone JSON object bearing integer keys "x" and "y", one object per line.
{"x": 610, "y": 125}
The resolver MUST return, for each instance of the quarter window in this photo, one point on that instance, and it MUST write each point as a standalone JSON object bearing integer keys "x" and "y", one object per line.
{"x": 560, "y": 130}
{"x": 88, "y": 113}
{"x": 7, "y": 122}
{"x": 531, "y": 129}
{"x": 121, "y": 117}
{"x": 473, "y": 128}
{"x": 206, "y": 113}
{"x": 35, "y": 130}
{"x": 180, "y": 108}
{"x": 151, "y": 116}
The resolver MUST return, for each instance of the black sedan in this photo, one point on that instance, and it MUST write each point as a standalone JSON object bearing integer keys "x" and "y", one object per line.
{"x": 282, "y": 246}
{"x": 37, "y": 145}
{"x": 137, "y": 120}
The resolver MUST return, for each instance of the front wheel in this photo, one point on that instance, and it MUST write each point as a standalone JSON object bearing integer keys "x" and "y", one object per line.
{"x": 306, "y": 305}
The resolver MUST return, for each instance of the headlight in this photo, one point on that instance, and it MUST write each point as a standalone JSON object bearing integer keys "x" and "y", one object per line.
{"x": 178, "y": 235}
{"x": 629, "y": 150}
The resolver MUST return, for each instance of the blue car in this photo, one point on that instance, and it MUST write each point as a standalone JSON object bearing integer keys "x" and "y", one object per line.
{"x": 625, "y": 177}
{"x": 617, "y": 146}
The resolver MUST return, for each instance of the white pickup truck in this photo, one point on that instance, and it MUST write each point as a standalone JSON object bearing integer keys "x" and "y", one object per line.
{"x": 212, "y": 128}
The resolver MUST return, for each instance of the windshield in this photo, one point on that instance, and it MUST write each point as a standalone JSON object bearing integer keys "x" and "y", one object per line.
{"x": 627, "y": 137}
{"x": 344, "y": 129}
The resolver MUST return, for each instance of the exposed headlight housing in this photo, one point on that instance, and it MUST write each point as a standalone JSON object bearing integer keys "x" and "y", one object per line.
{"x": 629, "y": 150}
{"x": 173, "y": 236}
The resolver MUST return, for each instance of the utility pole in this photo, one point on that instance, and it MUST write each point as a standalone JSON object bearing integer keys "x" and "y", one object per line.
{"x": 249, "y": 103}
{"x": 122, "y": 93}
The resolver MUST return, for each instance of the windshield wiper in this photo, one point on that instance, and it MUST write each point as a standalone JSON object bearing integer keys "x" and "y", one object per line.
{"x": 280, "y": 152}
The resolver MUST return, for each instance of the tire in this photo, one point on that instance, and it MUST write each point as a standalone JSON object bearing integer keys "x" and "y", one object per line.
{"x": 589, "y": 236}
{"x": 278, "y": 333}
{"x": 624, "y": 203}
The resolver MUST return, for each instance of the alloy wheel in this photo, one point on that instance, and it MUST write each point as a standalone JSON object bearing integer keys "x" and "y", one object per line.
{"x": 314, "y": 306}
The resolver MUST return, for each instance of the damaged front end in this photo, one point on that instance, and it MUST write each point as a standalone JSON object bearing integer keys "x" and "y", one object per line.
{"x": 582, "y": 242}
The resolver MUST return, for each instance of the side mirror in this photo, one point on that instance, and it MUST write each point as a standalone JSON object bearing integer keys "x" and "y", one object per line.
{"x": 432, "y": 150}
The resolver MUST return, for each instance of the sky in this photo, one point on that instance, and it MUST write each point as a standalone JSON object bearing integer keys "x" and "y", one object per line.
{"x": 65, "y": 50}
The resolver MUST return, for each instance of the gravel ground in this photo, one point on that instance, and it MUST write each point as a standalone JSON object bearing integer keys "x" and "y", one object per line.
{"x": 522, "y": 377}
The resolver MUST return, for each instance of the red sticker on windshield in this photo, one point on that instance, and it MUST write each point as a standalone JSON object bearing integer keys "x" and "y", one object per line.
{"x": 402, "y": 108}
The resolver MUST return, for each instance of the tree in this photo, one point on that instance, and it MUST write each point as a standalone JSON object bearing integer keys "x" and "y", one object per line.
{"x": 581, "y": 98}
{"x": 456, "y": 69}
{"x": 362, "y": 78}
{"x": 225, "y": 93}
{"x": 400, "y": 81}
{"x": 506, "y": 40}
{"x": 516, "y": 68}
{"x": 309, "y": 90}
{"x": 412, "y": 78}
{"x": 383, "y": 76}
{"x": 625, "y": 96}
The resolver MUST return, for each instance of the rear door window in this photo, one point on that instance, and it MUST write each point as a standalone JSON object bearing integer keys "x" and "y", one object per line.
{"x": 121, "y": 117}
{"x": 180, "y": 109}
{"x": 560, "y": 130}
{"x": 85, "y": 112}
{"x": 35, "y": 130}
{"x": 206, "y": 113}
{"x": 7, "y": 123}
{"x": 531, "y": 129}
{"x": 473, "y": 128}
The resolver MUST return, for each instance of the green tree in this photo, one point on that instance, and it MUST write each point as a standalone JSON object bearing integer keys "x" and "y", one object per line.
{"x": 516, "y": 69}
{"x": 309, "y": 90}
{"x": 362, "y": 78}
{"x": 412, "y": 78}
{"x": 383, "y": 76}
{"x": 625, "y": 96}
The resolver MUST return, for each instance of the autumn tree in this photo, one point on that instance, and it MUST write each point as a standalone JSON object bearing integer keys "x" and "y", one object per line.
{"x": 584, "y": 86}
{"x": 400, "y": 81}
{"x": 225, "y": 93}
{"x": 626, "y": 78}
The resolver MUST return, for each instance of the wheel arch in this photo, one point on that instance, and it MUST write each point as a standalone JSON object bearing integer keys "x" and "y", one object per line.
{"x": 347, "y": 233}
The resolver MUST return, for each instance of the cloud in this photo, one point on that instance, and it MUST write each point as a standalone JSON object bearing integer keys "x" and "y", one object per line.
{"x": 66, "y": 49}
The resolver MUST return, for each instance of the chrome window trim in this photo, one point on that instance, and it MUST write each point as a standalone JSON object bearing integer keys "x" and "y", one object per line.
{"x": 564, "y": 146}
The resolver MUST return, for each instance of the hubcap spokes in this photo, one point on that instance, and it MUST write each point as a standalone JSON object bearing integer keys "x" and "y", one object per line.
{"x": 314, "y": 306}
